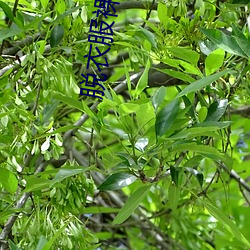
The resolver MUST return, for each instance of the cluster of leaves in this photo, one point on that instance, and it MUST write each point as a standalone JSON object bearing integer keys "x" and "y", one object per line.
{"x": 171, "y": 154}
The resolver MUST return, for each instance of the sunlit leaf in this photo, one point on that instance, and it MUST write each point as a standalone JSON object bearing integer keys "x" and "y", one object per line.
{"x": 8, "y": 180}
{"x": 131, "y": 204}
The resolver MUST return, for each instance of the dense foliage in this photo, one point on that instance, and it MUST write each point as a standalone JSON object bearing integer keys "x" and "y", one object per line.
{"x": 162, "y": 162}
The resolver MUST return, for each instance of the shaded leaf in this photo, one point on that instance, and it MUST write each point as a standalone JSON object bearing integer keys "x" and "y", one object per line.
{"x": 240, "y": 2}
{"x": 117, "y": 181}
{"x": 174, "y": 172}
{"x": 223, "y": 41}
{"x": 198, "y": 175}
{"x": 132, "y": 203}
{"x": 216, "y": 110}
{"x": 56, "y": 35}
{"x": 166, "y": 117}
{"x": 173, "y": 196}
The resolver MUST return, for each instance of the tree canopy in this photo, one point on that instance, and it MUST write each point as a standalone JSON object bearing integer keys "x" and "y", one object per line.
{"x": 161, "y": 161}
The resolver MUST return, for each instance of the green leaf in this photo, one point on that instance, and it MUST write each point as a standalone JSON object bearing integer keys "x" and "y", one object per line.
{"x": 216, "y": 110}
{"x": 162, "y": 12}
{"x": 13, "y": 246}
{"x": 68, "y": 100}
{"x": 219, "y": 125}
{"x": 117, "y": 181}
{"x": 9, "y": 32}
{"x": 8, "y": 180}
{"x": 98, "y": 210}
{"x": 186, "y": 54}
{"x": 202, "y": 114}
{"x": 227, "y": 223}
{"x": 144, "y": 34}
{"x": 214, "y": 61}
{"x": 198, "y": 175}
{"x": 132, "y": 203}
{"x": 193, "y": 132}
{"x": 197, "y": 85}
{"x": 7, "y": 10}
{"x": 173, "y": 196}
{"x": 128, "y": 108}
{"x": 166, "y": 117}
{"x": 66, "y": 172}
{"x": 34, "y": 184}
{"x": 56, "y": 35}
{"x": 143, "y": 81}
{"x": 174, "y": 172}
{"x": 158, "y": 97}
{"x": 223, "y": 41}
{"x": 177, "y": 74}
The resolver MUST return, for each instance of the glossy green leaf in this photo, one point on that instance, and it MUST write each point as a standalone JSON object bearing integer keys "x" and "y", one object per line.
{"x": 198, "y": 175}
{"x": 56, "y": 35}
{"x": 8, "y": 180}
{"x": 131, "y": 204}
{"x": 198, "y": 85}
{"x": 214, "y": 61}
{"x": 117, "y": 181}
{"x": 173, "y": 196}
{"x": 216, "y": 110}
{"x": 223, "y": 41}
{"x": 158, "y": 97}
{"x": 228, "y": 224}
{"x": 174, "y": 172}
{"x": 166, "y": 117}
